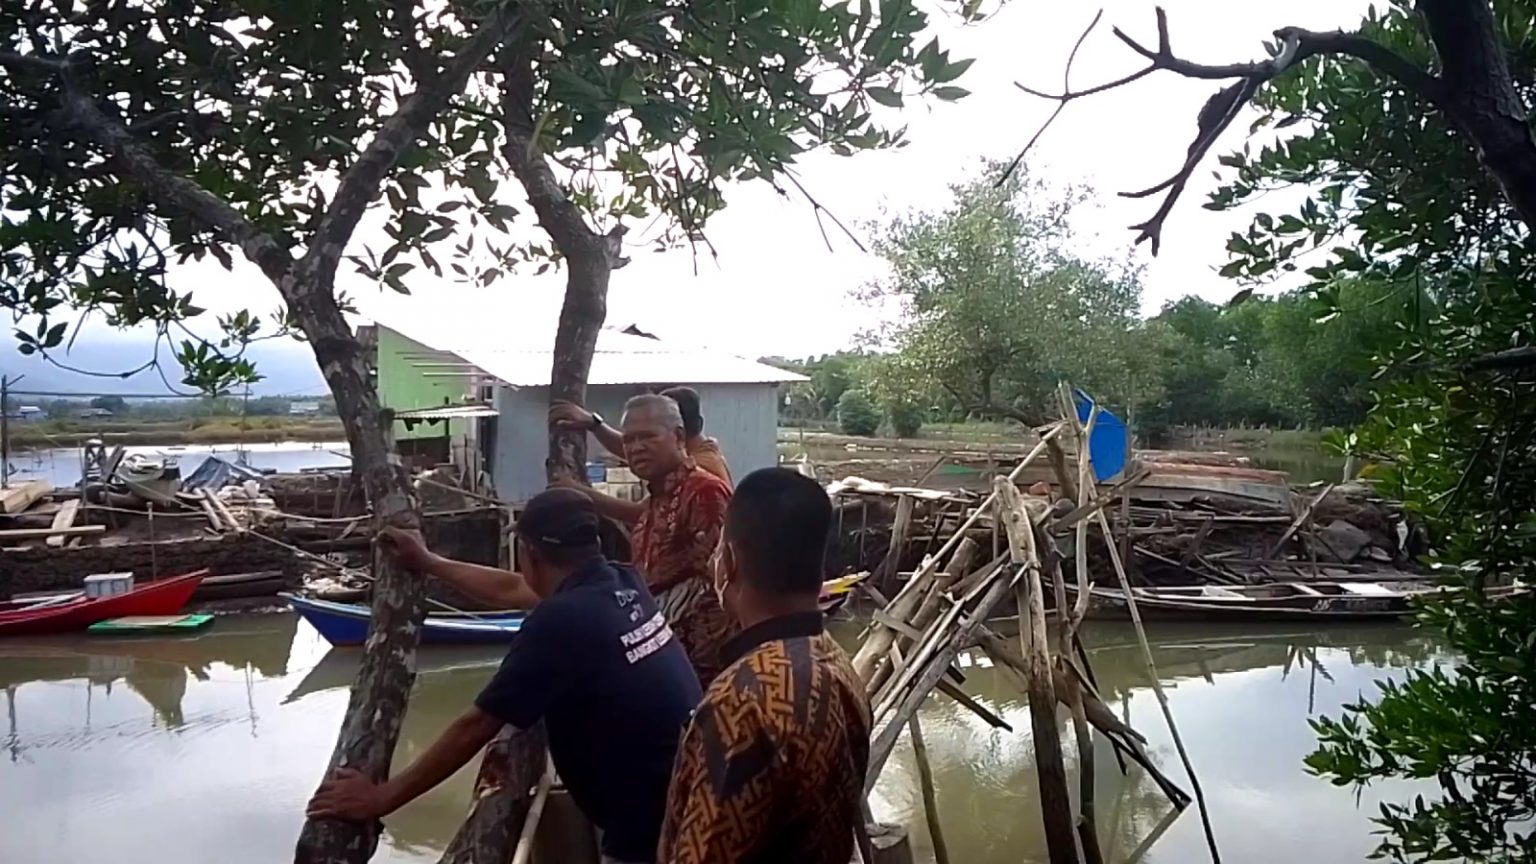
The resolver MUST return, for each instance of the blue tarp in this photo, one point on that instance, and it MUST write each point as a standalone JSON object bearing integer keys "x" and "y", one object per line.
{"x": 1107, "y": 442}
{"x": 215, "y": 473}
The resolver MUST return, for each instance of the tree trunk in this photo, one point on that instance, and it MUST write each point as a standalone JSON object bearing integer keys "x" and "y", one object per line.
{"x": 511, "y": 766}
{"x": 581, "y": 318}
{"x": 382, "y": 689}
{"x": 1481, "y": 97}
{"x": 515, "y": 760}
{"x": 589, "y": 257}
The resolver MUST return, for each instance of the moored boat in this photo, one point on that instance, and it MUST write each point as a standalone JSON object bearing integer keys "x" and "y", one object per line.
{"x": 347, "y": 624}
{"x": 1278, "y": 601}
{"x": 71, "y": 612}
{"x": 835, "y": 592}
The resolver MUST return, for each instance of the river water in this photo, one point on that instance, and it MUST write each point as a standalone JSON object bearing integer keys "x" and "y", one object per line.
{"x": 61, "y": 466}
{"x": 205, "y": 749}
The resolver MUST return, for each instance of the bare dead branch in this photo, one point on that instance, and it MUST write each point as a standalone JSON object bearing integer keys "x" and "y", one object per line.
{"x": 1098, "y": 88}
{"x": 1067, "y": 96}
{"x": 1295, "y": 45}
{"x": 1237, "y": 98}
{"x": 818, "y": 209}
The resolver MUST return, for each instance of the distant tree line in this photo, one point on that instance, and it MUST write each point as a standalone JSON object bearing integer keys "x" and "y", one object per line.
{"x": 171, "y": 410}
{"x": 993, "y": 309}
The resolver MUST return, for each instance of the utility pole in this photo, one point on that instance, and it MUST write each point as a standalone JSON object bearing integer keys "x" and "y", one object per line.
{"x": 5, "y": 432}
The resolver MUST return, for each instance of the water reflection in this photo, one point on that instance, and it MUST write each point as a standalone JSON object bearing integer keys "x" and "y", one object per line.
{"x": 1242, "y": 700}
{"x": 205, "y": 748}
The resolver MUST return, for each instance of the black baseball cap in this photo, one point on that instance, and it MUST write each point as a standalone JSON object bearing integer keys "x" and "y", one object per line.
{"x": 561, "y": 517}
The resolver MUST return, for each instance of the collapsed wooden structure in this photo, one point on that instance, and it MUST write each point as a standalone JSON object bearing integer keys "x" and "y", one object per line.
{"x": 949, "y": 606}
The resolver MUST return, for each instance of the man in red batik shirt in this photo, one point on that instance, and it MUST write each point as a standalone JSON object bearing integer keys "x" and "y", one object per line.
{"x": 676, "y": 528}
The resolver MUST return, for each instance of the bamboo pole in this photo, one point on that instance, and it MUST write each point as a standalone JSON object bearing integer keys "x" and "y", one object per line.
{"x": 926, "y": 610}
{"x": 1157, "y": 686}
{"x": 924, "y": 673}
{"x": 876, "y": 647}
{"x": 1071, "y": 619}
{"x": 535, "y": 812}
{"x": 1087, "y": 823}
{"x": 1055, "y": 800}
{"x": 930, "y": 799}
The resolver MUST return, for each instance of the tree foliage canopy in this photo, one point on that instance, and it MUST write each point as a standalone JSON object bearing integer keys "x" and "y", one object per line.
{"x": 1399, "y": 199}
{"x": 995, "y": 308}
{"x": 138, "y": 134}
{"x": 644, "y": 108}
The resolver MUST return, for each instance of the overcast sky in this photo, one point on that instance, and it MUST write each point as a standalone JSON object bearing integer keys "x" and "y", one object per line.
{"x": 778, "y": 290}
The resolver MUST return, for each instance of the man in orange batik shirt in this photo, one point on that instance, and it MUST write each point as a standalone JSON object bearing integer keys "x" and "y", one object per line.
{"x": 676, "y": 528}
{"x": 705, "y": 450}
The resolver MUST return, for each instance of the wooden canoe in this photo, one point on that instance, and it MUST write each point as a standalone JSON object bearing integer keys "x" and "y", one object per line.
{"x": 347, "y": 624}
{"x": 69, "y": 613}
{"x": 1280, "y": 601}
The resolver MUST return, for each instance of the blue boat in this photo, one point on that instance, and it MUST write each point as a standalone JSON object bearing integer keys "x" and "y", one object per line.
{"x": 347, "y": 624}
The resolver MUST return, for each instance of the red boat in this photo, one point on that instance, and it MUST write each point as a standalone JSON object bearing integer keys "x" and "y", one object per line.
{"x": 77, "y": 611}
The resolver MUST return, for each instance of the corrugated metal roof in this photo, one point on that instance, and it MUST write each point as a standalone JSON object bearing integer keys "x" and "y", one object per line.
{"x": 520, "y": 357}
{"x": 447, "y": 412}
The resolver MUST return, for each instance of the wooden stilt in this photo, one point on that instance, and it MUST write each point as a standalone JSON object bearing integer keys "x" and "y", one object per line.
{"x": 502, "y": 797}
{"x": 930, "y": 799}
{"x": 1157, "y": 686}
{"x": 1055, "y": 800}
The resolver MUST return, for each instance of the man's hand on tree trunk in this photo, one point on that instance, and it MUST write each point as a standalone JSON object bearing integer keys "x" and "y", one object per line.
{"x": 349, "y": 795}
{"x": 408, "y": 547}
{"x": 570, "y": 417}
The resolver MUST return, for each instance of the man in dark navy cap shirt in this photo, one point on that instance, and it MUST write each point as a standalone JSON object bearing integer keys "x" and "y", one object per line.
{"x": 595, "y": 660}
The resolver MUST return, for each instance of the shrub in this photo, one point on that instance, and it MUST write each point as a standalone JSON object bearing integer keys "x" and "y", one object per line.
{"x": 906, "y": 418}
{"x": 856, "y": 414}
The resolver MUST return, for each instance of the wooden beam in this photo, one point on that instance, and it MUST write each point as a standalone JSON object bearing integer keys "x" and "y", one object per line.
{"x": 34, "y": 533}
{"x": 1302, "y": 517}
{"x": 65, "y": 518}
{"x": 21, "y": 496}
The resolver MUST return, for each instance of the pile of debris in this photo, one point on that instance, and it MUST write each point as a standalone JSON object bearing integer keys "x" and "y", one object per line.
{"x": 955, "y": 598}
{"x": 1175, "y": 523}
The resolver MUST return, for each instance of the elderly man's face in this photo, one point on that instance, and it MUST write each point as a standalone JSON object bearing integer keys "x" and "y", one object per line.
{"x": 653, "y": 447}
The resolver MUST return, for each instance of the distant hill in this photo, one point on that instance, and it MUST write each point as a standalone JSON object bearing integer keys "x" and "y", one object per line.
{"x": 289, "y": 368}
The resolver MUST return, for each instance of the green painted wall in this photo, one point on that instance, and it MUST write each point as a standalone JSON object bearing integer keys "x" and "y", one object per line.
{"x": 404, "y": 387}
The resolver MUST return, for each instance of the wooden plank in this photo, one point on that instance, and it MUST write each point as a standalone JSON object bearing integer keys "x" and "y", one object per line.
{"x": 1302, "y": 517}
{"x": 230, "y": 521}
{"x": 21, "y": 496}
{"x": 65, "y": 518}
{"x": 34, "y": 533}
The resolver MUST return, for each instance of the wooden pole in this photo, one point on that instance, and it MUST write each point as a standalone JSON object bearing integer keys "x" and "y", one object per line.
{"x": 1125, "y": 500}
{"x": 535, "y": 812}
{"x": 501, "y": 801}
{"x": 154, "y": 564}
{"x": 1055, "y": 800}
{"x": 1157, "y": 685}
{"x": 891, "y": 564}
{"x": 1087, "y": 823}
{"x": 878, "y": 645}
{"x": 5, "y": 432}
{"x": 930, "y": 799}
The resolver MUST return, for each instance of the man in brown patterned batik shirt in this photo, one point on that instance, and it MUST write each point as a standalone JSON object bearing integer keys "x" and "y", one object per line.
{"x": 772, "y": 766}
